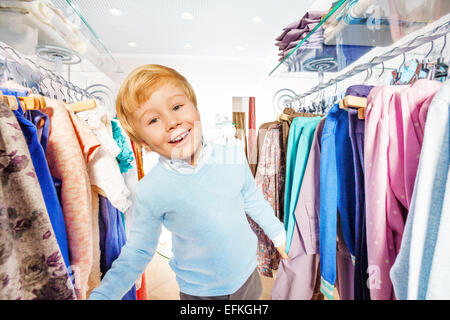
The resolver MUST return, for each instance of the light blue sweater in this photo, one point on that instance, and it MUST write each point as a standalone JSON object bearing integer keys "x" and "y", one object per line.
{"x": 214, "y": 248}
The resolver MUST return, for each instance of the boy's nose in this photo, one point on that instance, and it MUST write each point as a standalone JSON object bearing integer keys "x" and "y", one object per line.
{"x": 172, "y": 123}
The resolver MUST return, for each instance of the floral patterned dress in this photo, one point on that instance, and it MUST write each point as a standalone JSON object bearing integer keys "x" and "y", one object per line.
{"x": 269, "y": 179}
{"x": 31, "y": 264}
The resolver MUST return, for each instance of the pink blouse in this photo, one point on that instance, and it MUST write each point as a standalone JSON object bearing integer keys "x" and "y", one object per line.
{"x": 71, "y": 145}
{"x": 394, "y": 126}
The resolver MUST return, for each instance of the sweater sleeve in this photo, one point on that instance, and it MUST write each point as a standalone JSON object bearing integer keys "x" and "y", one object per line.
{"x": 135, "y": 255}
{"x": 257, "y": 207}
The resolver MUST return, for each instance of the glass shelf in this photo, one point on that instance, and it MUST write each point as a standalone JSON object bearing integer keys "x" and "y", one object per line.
{"x": 350, "y": 30}
{"x": 94, "y": 49}
{"x": 56, "y": 33}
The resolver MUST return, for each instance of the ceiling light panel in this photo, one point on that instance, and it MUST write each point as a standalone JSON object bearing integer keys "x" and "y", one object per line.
{"x": 115, "y": 12}
{"x": 187, "y": 16}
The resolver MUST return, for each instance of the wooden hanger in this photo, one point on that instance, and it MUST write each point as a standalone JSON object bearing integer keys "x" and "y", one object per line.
{"x": 11, "y": 101}
{"x": 354, "y": 102}
{"x": 83, "y": 105}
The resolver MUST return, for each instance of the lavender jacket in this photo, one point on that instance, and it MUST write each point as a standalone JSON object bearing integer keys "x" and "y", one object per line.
{"x": 296, "y": 278}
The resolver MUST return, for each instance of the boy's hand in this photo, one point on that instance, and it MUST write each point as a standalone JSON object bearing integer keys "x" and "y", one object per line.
{"x": 282, "y": 251}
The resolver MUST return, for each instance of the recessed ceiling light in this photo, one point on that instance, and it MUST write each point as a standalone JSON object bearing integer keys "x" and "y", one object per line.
{"x": 256, "y": 19}
{"x": 115, "y": 12}
{"x": 188, "y": 45}
{"x": 240, "y": 48}
{"x": 132, "y": 44}
{"x": 187, "y": 16}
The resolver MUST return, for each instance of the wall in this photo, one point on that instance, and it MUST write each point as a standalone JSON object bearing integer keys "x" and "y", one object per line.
{"x": 217, "y": 79}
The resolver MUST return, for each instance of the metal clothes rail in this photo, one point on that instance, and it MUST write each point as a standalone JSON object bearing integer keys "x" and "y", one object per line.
{"x": 418, "y": 41}
{"x": 12, "y": 54}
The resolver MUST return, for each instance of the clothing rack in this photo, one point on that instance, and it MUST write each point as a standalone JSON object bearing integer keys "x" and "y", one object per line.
{"x": 437, "y": 32}
{"x": 44, "y": 73}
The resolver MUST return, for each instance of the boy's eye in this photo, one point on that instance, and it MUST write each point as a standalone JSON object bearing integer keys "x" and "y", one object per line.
{"x": 153, "y": 120}
{"x": 177, "y": 107}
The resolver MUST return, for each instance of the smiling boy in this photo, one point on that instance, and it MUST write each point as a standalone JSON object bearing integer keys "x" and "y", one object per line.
{"x": 199, "y": 191}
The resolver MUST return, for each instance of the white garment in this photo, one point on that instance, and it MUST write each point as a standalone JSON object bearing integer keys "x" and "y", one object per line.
{"x": 131, "y": 178}
{"x": 104, "y": 172}
{"x": 51, "y": 22}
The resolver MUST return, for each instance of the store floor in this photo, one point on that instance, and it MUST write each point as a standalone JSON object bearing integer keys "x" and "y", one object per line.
{"x": 162, "y": 285}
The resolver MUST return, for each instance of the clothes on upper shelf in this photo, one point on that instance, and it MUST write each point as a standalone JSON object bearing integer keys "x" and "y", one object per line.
{"x": 298, "y": 30}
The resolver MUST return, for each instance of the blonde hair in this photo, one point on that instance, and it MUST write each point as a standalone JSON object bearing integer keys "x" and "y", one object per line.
{"x": 137, "y": 88}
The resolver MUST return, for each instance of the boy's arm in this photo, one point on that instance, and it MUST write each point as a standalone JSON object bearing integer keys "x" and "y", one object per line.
{"x": 261, "y": 211}
{"x": 135, "y": 254}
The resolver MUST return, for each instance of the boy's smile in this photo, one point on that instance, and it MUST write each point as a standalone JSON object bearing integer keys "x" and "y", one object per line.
{"x": 169, "y": 124}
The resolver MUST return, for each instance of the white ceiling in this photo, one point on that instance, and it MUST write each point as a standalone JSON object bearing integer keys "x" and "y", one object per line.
{"x": 218, "y": 28}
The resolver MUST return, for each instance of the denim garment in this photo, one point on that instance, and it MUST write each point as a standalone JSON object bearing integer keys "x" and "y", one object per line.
{"x": 356, "y": 130}
{"x": 337, "y": 190}
{"x": 112, "y": 239}
{"x": 45, "y": 180}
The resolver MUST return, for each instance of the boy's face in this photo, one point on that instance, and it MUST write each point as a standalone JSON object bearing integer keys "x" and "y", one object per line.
{"x": 169, "y": 124}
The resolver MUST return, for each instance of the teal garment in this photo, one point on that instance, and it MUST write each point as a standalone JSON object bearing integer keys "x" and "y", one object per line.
{"x": 301, "y": 133}
{"x": 125, "y": 157}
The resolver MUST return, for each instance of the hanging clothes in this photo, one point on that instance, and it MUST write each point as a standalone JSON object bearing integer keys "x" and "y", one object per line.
{"x": 301, "y": 133}
{"x": 95, "y": 276}
{"x": 252, "y": 144}
{"x": 241, "y": 133}
{"x": 31, "y": 263}
{"x": 130, "y": 176}
{"x": 141, "y": 286}
{"x": 262, "y": 130}
{"x": 269, "y": 182}
{"x": 296, "y": 278}
{"x": 395, "y": 120}
{"x": 104, "y": 173}
{"x": 421, "y": 267}
{"x": 70, "y": 147}
{"x": 337, "y": 196}
{"x": 125, "y": 157}
{"x": 112, "y": 238}
{"x": 356, "y": 131}
{"x": 44, "y": 177}
{"x": 286, "y": 119}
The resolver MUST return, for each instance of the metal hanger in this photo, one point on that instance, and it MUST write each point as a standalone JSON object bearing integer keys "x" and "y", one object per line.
{"x": 441, "y": 66}
{"x": 425, "y": 67}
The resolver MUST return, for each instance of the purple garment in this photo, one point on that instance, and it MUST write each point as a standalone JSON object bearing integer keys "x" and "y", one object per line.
{"x": 35, "y": 116}
{"x": 312, "y": 17}
{"x": 293, "y": 35}
{"x": 358, "y": 90}
{"x": 296, "y": 278}
{"x": 345, "y": 270}
{"x": 112, "y": 239}
{"x": 305, "y": 22}
{"x": 315, "y": 15}
{"x": 356, "y": 130}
